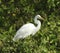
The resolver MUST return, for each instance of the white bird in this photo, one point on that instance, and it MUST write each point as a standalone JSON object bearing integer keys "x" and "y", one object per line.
{"x": 28, "y": 29}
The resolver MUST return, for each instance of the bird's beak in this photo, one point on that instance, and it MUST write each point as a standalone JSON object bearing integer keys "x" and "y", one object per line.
{"x": 41, "y": 18}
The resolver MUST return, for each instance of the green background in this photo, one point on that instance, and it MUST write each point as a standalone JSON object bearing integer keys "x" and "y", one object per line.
{"x": 15, "y": 13}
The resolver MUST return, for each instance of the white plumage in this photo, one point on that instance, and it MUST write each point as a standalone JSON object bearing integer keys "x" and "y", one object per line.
{"x": 28, "y": 29}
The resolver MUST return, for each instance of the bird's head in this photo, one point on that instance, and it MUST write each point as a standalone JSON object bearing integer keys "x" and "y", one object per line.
{"x": 39, "y": 17}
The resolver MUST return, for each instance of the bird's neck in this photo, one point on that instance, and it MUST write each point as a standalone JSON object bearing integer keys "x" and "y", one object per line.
{"x": 38, "y": 24}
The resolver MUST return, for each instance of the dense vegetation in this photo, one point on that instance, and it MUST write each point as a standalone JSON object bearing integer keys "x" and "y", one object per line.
{"x": 15, "y": 13}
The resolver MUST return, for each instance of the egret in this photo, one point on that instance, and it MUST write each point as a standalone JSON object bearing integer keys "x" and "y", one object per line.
{"x": 28, "y": 29}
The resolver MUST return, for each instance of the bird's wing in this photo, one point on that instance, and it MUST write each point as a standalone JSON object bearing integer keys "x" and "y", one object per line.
{"x": 25, "y": 30}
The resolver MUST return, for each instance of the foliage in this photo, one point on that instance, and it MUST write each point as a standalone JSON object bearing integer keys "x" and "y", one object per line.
{"x": 15, "y": 13}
